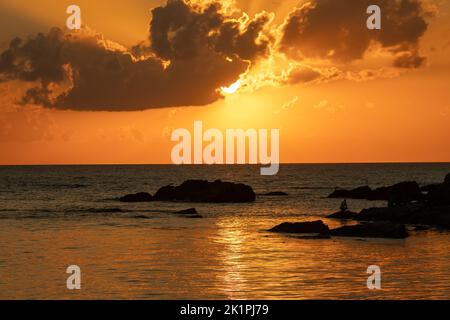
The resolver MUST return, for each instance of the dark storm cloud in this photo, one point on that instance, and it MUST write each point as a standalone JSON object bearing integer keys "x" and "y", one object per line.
{"x": 182, "y": 31}
{"x": 336, "y": 30}
{"x": 194, "y": 51}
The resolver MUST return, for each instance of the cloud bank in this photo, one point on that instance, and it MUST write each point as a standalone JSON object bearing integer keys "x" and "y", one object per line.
{"x": 195, "y": 48}
{"x": 335, "y": 31}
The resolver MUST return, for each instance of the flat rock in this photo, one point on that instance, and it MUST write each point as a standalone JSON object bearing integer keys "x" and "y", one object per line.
{"x": 302, "y": 227}
{"x": 343, "y": 215}
{"x": 372, "y": 230}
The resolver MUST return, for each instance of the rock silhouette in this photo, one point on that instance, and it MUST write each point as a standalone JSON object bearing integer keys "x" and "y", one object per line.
{"x": 204, "y": 191}
{"x": 363, "y": 230}
{"x": 433, "y": 209}
{"x": 402, "y": 192}
{"x": 302, "y": 227}
{"x": 372, "y": 230}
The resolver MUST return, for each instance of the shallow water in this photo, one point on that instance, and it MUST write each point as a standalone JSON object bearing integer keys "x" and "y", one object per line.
{"x": 52, "y": 217}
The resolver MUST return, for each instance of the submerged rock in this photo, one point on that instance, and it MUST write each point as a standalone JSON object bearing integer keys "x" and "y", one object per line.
{"x": 276, "y": 193}
{"x": 204, "y": 191}
{"x": 372, "y": 230}
{"x": 137, "y": 197}
{"x": 141, "y": 217}
{"x": 302, "y": 227}
{"x": 189, "y": 213}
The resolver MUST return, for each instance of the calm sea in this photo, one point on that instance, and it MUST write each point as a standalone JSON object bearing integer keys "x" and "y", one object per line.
{"x": 55, "y": 216}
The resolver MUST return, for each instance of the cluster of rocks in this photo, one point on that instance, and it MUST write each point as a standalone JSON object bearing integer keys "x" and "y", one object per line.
{"x": 433, "y": 208}
{"x": 401, "y": 193}
{"x": 198, "y": 191}
{"x": 409, "y": 204}
{"x": 362, "y": 230}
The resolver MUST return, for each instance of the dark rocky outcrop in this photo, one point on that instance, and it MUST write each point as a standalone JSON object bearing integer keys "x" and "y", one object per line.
{"x": 343, "y": 215}
{"x": 276, "y": 193}
{"x": 204, "y": 191}
{"x": 372, "y": 230}
{"x": 137, "y": 197}
{"x": 302, "y": 227}
{"x": 402, "y": 192}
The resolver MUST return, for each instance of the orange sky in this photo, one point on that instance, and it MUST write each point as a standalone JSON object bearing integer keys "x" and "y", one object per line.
{"x": 398, "y": 116}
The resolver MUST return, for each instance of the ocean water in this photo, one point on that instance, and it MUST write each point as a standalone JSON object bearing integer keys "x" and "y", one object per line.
{"x": 55, "y": 216}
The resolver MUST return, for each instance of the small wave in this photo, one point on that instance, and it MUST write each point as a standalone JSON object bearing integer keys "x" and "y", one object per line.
{"x": 68, "y": 186}
{"x": 94, "y": 210}
{"x": 58, "y": 185}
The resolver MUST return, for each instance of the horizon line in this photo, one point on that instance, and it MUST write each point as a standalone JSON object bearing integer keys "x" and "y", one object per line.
{"x": 208, "y": 165}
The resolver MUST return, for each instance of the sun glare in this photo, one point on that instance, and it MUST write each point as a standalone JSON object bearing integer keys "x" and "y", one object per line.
{"x": 232, "y": 88}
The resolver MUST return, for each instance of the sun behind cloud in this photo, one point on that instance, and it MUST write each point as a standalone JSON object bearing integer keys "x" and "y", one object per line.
{"x": 232, "y": 88}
